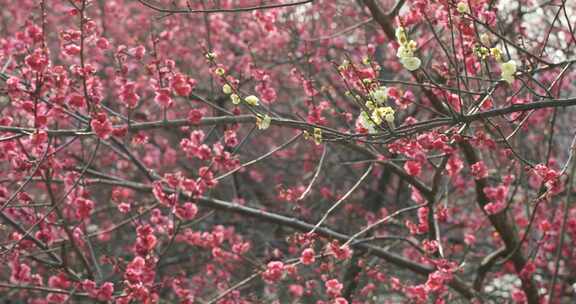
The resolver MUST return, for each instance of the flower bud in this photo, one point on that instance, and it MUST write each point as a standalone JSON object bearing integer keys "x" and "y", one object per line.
{"x": 227, "y": 89}
{"x": 263, "y": 122}
{"x": 252, "y": 100}
{"x": 235, "y": 99}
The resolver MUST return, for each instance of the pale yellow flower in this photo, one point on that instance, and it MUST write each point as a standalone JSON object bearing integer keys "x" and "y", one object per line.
{"x": 462, "y": 7}
{"x": 220, "y": 72}
{"x": 380, "y": 95}
{"x": 509, "y": 67}
{"x": 404, "y": 51}
{"x": 401, "y": 35}
{"x": 508, "y": 70}
{"x": 481, "y": 52}
{"x": 383, "y": 113}
{"x": 235, "y": 99}
{"x": 317, "y": 136}
{"x": 252, "y": 100}
{"x": 496, "y": 53}
{"x": 227, "y": 89}
{"x": 370, "y": 104}
{"x": 263, "y": 122}
{"x": 411, "y": 63}
{"x": 366, "y": 122}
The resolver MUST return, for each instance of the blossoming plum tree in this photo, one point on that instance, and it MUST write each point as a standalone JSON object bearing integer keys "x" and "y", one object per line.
{"x": 287, "y": 151}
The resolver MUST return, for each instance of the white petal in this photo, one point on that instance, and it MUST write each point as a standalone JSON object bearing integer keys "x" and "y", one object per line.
{"x": 508, "y": 67}
{"x": 411, "y": 63}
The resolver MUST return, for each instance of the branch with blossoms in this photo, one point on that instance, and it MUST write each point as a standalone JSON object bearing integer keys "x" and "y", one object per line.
{"x": 191, "y": 10}
{"x": 287, "y": 151}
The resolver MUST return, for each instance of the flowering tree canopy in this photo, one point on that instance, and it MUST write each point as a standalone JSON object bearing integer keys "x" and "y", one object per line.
{"x": 287, "y": 151}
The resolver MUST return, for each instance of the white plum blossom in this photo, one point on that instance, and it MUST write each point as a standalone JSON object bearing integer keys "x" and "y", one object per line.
{"x": 508, "y": 70}
{"x": 252, "y": 100}
{"x": 411, "y": 63}
{"x": 380, "y": 95}
{"x": 406, "y": 51}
